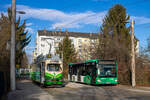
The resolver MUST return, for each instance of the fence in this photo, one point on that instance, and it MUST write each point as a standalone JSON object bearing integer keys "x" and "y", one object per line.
{"x": 23, "y": 73}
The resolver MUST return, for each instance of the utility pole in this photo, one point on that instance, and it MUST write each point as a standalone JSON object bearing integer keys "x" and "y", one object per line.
{"x": 132, "y": 55}
{"x": 13, "y": 48}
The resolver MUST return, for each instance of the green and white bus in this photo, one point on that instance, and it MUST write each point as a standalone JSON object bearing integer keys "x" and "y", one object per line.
{"x": 94, "y": 71}
{"x": 47, "y": 71}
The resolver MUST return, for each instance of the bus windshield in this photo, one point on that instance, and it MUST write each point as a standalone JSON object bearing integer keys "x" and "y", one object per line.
{"x": 107, "y": 70}
{"x": 53, "y": 67}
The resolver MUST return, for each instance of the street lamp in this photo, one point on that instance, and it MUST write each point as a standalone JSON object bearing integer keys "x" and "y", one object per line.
{"x": 13, "y": 47}
{"x": 20, "y": 12}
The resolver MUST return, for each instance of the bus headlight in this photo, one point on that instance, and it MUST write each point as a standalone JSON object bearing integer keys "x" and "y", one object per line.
{"x": 116, "y": 80}
{"x": 98, "y": 80}
{"x": 49, "y": 80}
{"x": 60, "y": 79}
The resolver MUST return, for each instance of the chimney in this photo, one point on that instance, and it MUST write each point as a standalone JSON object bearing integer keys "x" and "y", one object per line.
{"x": 66, "y": 31}
{"x": 44, "y": 30}
{"x": 53, "y": 33}
{"x": 99, "y": 34}
{"x": 90, "y": 34}
{"x": 59, "y": 31}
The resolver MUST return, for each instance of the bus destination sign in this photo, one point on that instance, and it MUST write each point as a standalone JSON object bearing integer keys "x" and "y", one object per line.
{"x": 106, "y": 62}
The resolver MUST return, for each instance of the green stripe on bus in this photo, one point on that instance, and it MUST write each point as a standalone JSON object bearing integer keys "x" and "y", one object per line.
{"x": 59, "y": 75}
{"x": 87, "y": 79}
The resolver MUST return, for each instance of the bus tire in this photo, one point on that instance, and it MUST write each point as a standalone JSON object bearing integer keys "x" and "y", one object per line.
{"x": 63, "y": 85}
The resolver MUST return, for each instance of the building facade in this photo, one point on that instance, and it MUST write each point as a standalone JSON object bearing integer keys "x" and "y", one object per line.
{"x": 48, "y": 41}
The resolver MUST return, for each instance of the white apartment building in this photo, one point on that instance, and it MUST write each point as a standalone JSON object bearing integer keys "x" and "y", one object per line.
{"x": 47, "y": 41}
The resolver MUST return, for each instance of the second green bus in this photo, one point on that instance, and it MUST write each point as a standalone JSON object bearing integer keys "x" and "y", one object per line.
{"x": 94, "y": 71}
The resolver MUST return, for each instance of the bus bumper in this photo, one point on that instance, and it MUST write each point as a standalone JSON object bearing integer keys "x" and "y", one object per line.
{"x": 53, "y": 82}
{"x": 106, "y": 81}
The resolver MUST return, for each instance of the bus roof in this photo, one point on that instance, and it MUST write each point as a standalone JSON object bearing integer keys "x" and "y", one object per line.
{"x": 75, "y": 63}
{"x": 84, "y": 62}
{"x": 92, "y": 60}
{"x": 106, "y": 60}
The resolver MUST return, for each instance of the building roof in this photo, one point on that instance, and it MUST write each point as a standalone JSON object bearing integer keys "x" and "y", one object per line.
{"x": 64, "y": 33}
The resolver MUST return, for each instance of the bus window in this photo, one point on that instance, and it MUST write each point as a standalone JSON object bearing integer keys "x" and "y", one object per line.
{"x": 74, "y": 70}
{"x": 53, "y": 67}
{"x": 107, "y": 70}
{"x": 70, "y": 69}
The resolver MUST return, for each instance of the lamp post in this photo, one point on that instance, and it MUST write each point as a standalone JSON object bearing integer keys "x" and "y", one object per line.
{"x": 133, "y": 55}
{"x": 13, "y": 47}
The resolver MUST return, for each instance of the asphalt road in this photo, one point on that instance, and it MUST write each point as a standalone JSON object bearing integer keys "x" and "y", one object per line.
{"x": 87, "y": 92}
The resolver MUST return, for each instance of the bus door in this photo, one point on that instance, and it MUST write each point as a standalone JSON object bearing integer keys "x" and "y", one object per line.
{"x": 78, "y": 73}
{"x": 42, "y": 73}
{"x": 70, "y": 72}
{"x": 93, "y": 73}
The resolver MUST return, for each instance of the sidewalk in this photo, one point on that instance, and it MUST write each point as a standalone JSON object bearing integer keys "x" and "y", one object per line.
{"x": 26, "y": 90}
{"x": 136, "y": 89}
{"x": 76, "y": 85}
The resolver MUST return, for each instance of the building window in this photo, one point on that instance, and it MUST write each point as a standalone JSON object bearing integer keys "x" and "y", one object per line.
{"x": 42, "y": 45}
{"x": 71, "y": 40}
{"x": 80, "y": 46}
{"x": 58, "y": 38}
{"x": 56, "y": 48}
{"x": 80, "y": 40}
{"x": 80, "y": 50}
{"x": 42, "y": 39}
{"x": 56, "y": 45}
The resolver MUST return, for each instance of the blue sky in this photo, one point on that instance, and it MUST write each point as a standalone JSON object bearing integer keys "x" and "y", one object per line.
{"x": 78, "y": 15}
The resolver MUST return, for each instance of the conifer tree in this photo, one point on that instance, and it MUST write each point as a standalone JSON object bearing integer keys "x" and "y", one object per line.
{"x": 114, "y": 41}
{"x": 5, "y": 37}
{"x": 66, "y": 51}
{"x": 114, "y": 25}
{"x": 22, "y": 38}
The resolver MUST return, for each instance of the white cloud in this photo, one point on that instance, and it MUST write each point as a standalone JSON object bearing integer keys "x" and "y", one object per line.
{"x": 79, "y": 21}
{"x": 29, "y": 24}
{"x": 29, "y": 29}
{"x": 69, "y": 20}
{"x": 140, "y": 19}
{"x": 62, "y": 19}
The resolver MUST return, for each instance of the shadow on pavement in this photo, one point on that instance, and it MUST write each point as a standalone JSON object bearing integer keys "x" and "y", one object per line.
{"x": 26, "y": 90}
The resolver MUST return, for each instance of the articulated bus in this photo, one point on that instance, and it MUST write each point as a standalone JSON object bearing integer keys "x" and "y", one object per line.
{"x": 94, "y": 72}
{"x": 47, "y": 71}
